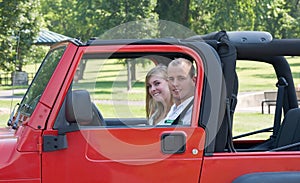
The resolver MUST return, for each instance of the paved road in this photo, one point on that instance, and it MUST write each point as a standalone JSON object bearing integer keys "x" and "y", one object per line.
{"x": 12, "y": 94}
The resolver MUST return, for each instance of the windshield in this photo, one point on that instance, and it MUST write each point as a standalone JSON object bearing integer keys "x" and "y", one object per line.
{"x": 40, "y": 81}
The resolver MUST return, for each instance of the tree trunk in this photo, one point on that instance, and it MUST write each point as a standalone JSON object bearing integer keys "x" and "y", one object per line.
{"x": 133, "y": 71}
{"x": 128, "y": 74}
{"x": 174, "y": 10}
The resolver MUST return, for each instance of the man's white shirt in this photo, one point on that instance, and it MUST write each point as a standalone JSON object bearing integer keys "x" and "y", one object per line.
{"x": 175, "y": 111}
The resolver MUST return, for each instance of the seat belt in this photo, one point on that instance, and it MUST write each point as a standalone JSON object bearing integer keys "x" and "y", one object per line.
{"x": 229, "y": 121}
{"x": 178, "y": 121}
{"x": 281, "y": 84}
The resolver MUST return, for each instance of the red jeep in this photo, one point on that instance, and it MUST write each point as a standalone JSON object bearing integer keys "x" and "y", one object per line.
{"x": 83, "y": 117}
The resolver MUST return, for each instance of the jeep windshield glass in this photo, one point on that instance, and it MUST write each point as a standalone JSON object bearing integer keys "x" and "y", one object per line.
{"x": 40, "y": 81}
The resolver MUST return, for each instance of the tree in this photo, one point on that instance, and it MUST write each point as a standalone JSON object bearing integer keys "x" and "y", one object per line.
{"x": 210, "y": 16}
{"x": 177, "y": 11}
{"x": 107, "y": 19}
{"x": 279, "y": 17}
{"x": 294, "y": 30}
{"x": 274, "y": 17}
{"x": 62, "y": 16}
{"x": 129, "y": 19}
{"x": 174, "y": 10}
{"x": 92, "y": 18}
{"x": 20, "y": 23}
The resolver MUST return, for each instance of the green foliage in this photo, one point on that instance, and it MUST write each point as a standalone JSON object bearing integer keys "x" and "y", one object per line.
{"x": 107, "y": 18}
{"x": 174, "y": 10}
{"x": 92, "y": 18}
{"x": 275, "y": 16}
{"x": 62, "y": 16}
{"x": 20, "y": 21}
{"x": 230, "y": 15}
{"x": 279, "y": 17}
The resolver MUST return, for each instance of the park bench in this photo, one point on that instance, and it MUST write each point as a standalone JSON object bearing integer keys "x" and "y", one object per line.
{"x": 270, "y": 100}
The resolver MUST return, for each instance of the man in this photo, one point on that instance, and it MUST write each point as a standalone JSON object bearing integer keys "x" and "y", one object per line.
{"x": 181, "y": 80}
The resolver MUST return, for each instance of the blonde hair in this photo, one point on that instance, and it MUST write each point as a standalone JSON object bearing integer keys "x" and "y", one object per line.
{"x": 153, "y": 107}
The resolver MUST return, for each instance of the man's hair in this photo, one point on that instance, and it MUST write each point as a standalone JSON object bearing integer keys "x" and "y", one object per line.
{"x": 179, "y": 61}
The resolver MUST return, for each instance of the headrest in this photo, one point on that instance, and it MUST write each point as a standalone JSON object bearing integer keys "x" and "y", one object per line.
{"x": 79, "y": 107}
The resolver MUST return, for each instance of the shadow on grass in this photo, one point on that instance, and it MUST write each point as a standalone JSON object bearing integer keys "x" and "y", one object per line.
{"x": 109, "y": 87}
{"x": 296, "y": 75}
{"x": 13, "y": 87}
{"x": 266, "y": 76}
{"x": 294, "y": 64}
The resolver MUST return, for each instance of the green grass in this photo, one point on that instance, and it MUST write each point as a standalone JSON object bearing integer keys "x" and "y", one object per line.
{"x": 259, "y": 76}
{"x": 246, "y": 122}
{"x": 3, "y": 119}
{"x": 249, "y": 73}
{"x": 132, "y": 111}
{"x": 111, "y": 80}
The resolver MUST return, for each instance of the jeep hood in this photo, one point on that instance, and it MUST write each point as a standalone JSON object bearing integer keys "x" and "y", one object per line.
{"x": 6, "y": 133}
{"x": 8, "y": 142}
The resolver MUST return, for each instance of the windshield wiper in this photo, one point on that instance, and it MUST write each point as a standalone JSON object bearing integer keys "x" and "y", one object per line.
{"x": 15, "y": 123}
{"x": 10, "y": 120}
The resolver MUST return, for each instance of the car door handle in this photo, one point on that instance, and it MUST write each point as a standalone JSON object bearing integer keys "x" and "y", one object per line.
{"x": 173, "y": 143}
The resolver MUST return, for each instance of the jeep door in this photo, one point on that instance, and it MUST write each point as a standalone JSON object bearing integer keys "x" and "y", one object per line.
{"x": 117, "y": 144}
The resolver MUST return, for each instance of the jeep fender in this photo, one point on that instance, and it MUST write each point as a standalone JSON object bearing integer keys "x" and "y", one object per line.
{"x": 269, "y": 177}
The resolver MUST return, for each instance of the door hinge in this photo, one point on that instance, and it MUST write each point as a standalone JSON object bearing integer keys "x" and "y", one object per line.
{"x": 54, "y": 142}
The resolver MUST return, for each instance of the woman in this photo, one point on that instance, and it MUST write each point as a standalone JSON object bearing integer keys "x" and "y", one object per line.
{"x": 158, "y": 95}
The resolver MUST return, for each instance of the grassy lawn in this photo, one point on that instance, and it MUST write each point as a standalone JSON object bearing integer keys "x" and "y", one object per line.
{"x": 112, "y": 81}
{"x": 132, "y": 111}
{"x": 252, "y": 77}
{"x": 249, "y": 73}
{"x": 246, "y": 122}
{"x": 260, "y": 76}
